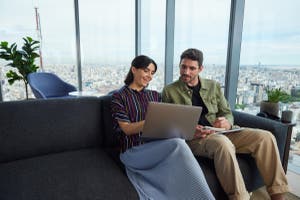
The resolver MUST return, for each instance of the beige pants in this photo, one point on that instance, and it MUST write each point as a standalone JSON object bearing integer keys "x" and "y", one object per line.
{"x": 259, "y": 143}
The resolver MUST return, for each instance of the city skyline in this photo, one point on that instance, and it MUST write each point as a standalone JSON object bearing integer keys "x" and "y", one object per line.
{"x": 110, "y": 40}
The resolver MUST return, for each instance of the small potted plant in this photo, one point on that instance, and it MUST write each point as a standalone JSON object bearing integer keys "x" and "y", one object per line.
{"x": 23, "y": 60}
{"x": 271, "y": 106}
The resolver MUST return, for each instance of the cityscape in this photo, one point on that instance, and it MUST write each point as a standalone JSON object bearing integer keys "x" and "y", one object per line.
{"x": 251, "y": 87}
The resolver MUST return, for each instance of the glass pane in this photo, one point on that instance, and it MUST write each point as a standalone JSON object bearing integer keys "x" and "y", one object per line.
{"x": 203, "y": 25}
{"x": 153, "y": 37}
{"x": 107, "y": 30}
{"x": 270, "y": 58}
{"x": 57, "y": 39}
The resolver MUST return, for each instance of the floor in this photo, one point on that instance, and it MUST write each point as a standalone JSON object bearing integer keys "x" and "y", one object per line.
{"x": 261, "y": 194}
{"x": 294, "y": 184}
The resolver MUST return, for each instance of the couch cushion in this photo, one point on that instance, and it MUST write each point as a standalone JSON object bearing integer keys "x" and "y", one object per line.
{"x": 207, "y": 166}
{"x": 83, "y": 174}
{"x": 251, "y": 175}
{"x": 37, "y": 127}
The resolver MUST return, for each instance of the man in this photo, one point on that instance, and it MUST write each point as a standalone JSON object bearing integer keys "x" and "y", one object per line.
{"x": 192, "y": 90}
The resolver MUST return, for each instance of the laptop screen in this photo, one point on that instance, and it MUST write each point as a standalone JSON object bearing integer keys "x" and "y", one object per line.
{"x": 164, "y": 120}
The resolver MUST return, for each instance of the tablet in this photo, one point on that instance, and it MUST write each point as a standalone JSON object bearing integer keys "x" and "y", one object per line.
{"x": 230, "y": 130}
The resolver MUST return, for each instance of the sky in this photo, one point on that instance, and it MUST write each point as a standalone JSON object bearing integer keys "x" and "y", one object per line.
{"x": 271, "y": 33}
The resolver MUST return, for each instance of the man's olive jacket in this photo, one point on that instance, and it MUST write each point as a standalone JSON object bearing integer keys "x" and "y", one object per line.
{"x": 210, "y": 92}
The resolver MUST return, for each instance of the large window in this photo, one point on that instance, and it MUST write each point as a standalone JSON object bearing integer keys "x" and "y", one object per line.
{"x": 107, "y": 30}
{"x": 57, "y": 37}
{"x": 270, "y": 49}
{"x": 270, "y": 58}
{"x": 203, "y": 25}
{"x": 13, "y": 28}
{"x": 153, "y": 13}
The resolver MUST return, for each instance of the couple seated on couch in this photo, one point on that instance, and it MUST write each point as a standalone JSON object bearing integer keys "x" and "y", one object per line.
{"x": 167, "y": 169}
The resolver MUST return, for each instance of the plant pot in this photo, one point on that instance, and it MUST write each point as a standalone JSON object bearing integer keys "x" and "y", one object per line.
{"x": 269, "y": 108}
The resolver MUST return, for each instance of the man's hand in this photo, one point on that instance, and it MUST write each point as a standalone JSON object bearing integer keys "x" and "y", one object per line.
{"x": 222, "y": 122}
{"x": 201, "y": 132}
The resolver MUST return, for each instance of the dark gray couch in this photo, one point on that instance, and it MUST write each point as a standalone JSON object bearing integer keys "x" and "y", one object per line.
{"x": 65, "y": 149}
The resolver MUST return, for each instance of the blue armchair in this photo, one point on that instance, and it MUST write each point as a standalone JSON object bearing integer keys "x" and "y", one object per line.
{"x": 48, "y": 85}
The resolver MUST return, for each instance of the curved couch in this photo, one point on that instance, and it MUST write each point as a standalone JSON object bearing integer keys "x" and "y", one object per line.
{"x": 65, "y": 149}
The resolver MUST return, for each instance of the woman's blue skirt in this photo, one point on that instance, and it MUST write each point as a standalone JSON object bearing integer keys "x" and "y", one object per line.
{"x": 165, "y": 169}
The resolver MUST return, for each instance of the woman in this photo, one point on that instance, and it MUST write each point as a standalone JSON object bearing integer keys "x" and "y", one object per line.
{"x": 164, "y": 169}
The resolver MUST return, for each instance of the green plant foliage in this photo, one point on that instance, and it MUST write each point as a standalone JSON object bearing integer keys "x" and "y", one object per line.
{"x": 22, "y": 60}
{"x": 240, "y": 106}
{"x": 295, "y": 99}
{"x": 276, "y": 95}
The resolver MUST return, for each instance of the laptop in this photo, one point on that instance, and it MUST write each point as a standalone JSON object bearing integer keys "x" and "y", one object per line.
{"x": 165, "y": 120}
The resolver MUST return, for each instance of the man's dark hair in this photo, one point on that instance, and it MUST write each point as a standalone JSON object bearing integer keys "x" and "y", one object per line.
{"x": 193, "y": 54}
{"x": 139, "y": 62}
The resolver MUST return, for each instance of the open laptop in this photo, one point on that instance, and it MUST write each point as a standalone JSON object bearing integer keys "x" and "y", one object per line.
{"x": 164, "y": 120}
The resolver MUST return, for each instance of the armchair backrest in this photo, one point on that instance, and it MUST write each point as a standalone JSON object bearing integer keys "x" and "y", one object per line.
{"x": 48, "y": 85}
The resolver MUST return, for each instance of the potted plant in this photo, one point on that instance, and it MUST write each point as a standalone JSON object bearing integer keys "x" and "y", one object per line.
{"x": 23, "y": 60}
{"x": 271, "y": 106}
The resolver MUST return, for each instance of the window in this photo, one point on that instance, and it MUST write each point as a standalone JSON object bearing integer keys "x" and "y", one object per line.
{"x": 153, "y": 37}
{"x": 57, "y": 39}
{"x": 107, "y": 30}
{"x": 270, "y": 58}
{"x": 13, "y": 28}
{"x": 203, "y": 25}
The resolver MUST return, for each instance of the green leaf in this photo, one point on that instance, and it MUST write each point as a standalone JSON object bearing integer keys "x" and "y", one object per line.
{"x": 23, "y": 60}
{"x": 3, "y": 44}
{"x": 34, "y": 42}
{"x": 12, "y": 77}
{"x": 27, "y": 39}
{"x": 5, "y": 56}
{"x": 276, "y": 95}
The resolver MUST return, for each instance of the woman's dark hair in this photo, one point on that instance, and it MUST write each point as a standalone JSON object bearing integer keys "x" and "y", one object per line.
{"x": 139, "y": 62}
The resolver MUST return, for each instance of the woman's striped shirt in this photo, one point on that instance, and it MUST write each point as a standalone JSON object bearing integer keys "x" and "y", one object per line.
{"x": 129, "y": 105}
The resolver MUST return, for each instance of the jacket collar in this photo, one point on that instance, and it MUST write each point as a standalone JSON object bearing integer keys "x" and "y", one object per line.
{"x": 184, "y": 87}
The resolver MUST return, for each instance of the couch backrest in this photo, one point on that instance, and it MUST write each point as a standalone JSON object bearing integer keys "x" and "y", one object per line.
{"x": 37, "y": 127}
{"x": 110, "y": 137}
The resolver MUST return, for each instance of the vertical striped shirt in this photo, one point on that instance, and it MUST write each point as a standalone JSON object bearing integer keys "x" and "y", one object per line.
{"x": 129, "y": 105}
